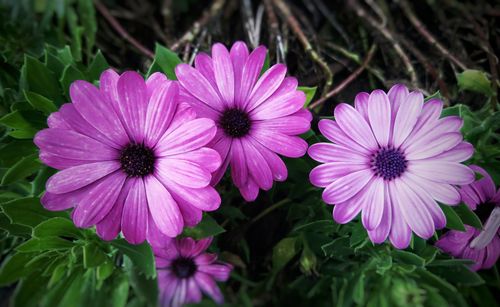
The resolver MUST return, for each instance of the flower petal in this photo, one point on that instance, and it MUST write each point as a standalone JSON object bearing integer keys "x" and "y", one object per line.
{"x": 208, "y": 285}
{"x": 160, "y": 111}
{"x": 326, "y": 152}
{"x": 290, "y": 125}
{"x": 250, "y": 74}
{"x": 257, "y": 166}
{"x": 346, "y": 187}
{"x": 135, "y": 213}
{"x": 407, "y": 117}
{"x": 132, "y": 104}
{"x": 379, "y": 115}
{"x": 223, "y": 72}
{"x": 239, "y": 169}
{"x": 374, "y": 208}
{"x": 462, "y": 152}
{"x": 324, "y": 174}
{"x": 442, "y": 171}
{"x": 288, "y": 146}
{"x": 267, "y": 84}
{"x": 361, "y": 104}
{"x": 332, "y": 131}
{"x": 352, "y": 123}
{"x": 183, "y": 172}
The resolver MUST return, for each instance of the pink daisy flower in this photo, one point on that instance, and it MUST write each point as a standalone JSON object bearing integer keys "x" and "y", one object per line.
{"x": 392, "y": 159}
{"x": 480, "y": 246}
{"x": 130, "y": 158}
{"x": 257, "y": 117}
{"x": 185, "y": 271}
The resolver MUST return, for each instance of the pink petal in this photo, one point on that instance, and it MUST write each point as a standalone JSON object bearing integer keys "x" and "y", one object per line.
{"x": 223, "y": 72}
{"x": 107, "y": 85}
{"x": 219, "y": 272}
{"x": 73, "y": 178}
{"x": 183, "y": 172}
{"x": 288, "y": 146}
{"x": 132, "y": 105}
{"x": 208, "y": 285}
{"x": 163, "y": 208}
{"x": 239, "y": 170}
{"x": 258, "y": 166}
{"x": 154, "y": 81}
{"x": 156, "y": 238}
{"x": 290, "y": 125}
{"x": 98, "y": 112}
{"x": 250, "y": 74}
{"x": 109, "y": 227}
{"x": 201, "y": 246}
{"x": 287, "y": 105}
{"x": 361, "y": 104}
{"x": 189, "y": 136}
{"x": 277, "y": 166}
{"x": 185, "y": 246}
{"x": 223, "y": 147}
{"x": 332, "y": 132}
{"x": 205, "y": 157}
{"x": 250, "y": 190}
{"x": 485, "y": 185}
{"x": 160, "y": 111}
{"x": 267, "y": 84}
{"x": 204, "y": 64}
{"x": 135, "y": 213}
{"x": 56, "y": 120}
{"x": 239, "y": 55}
{"x": 285, "y": 89}
{"x": 198, "y": 86}
{"x": 193, "y": 291}
{"x": 59, "y": 162}
{"x": 99, "y": 201}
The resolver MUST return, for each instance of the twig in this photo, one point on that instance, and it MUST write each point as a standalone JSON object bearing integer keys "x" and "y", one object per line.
{"x": 195, "y": 29}
{"x": 123, "y": 33}
{"x": 274, "y": 33}
{"x": 389, "y": 36}
{"x": 332, "y": 20}
{"x": 347, "y": 80}
{"x": 295, "y": 26}
{"x": 166, "y": 12}
{"x": 405, "y": 6}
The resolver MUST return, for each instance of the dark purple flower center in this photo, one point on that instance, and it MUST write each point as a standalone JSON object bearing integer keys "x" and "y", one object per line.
{"x": 137, "y": 160}
{"x": 389, "y": 163}
{"x": 184, "y": 267}
{"x": 235, "y": 123}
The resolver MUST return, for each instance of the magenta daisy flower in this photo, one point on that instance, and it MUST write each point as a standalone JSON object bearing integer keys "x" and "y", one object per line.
{"x": 130, "y": 158}
{"x": 480, "y": 246}
{"x": 257, "y": 117}
{"x": 185, "y": 271}
{"x": 392, "y": 159}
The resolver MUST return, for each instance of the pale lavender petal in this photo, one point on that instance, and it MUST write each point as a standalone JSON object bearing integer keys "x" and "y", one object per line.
{"x": 442, "y": 171}
{"x": 326, "y": 152}
{"x": 135, "y": 213}
{"x": 193, "y": 291}
{"x": 163, "y": 208}
{"x": 442, "y": 192}
{"x": 180, "y": 295}
{"x": 379, "y": 115}
{"x": 98, "y": 201}
{"x": 219, "y": 272}
{"x": 380, "y": 234}
{"x": 348, "y": 210}
{"x": 189, "y": 136}
{"x": 324, "y": 174}
{"x": 361, "y": 104}
{"x": 160, "y": 111}
{"x": 73, "y": 178}
{"x": 400, "y": 234}
{"x": 407, "y": 117}
{"x": 413, "y": 210}
{"x": 431, "y": 147}
{"x": 223, "y": 72}
{"x": 374, "y": 207}
{"x": 462, "y": 152}
{"x": 397, "y": 95}
{"x": 332, "y": 132}
{"x": 346, "y": 187}
{"x": 353, "y": 124}
{"x": 485, "y": 185}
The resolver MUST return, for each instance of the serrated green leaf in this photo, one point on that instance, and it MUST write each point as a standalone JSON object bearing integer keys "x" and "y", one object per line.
{"x": 22, "y": 169}
{"x": 40, "y": 79}
{"x": 453, "y": 221}
{"x": 309, "y": 91}
{"x": 14, "y": 268}
{"x": 57, "y": 227}
{"x": 468, "y": 216}
{"x": 70, "y": 74}
{"x": 98, "y": 65}
{"x": 45, "y": 243}
{"x": 165, "y": 61}
{"x": 141, "y": 255}
{"x": 93, "y": 256}
{"x": 208, "y": 227}
{"x": 475, "y": 81}
{"x": 40, "y": 103}
{"x": 28, "y": 211}
{"x": 15, "y": 120}
{"x": 283, "y": 252}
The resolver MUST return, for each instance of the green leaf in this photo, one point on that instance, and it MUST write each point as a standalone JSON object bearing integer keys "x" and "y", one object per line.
{"x": 105, "y": 270}
{"x": 459, "y": 274}
{"x": 70, "y": 74}
{"x": 45, "y": 243}
{"x": 93, "y": 256}
{"x": 339, "y": 247}
{"x": 87, "y": 15}
{"x": 208, "y": 227}
{"x": 57, "y": 227}
{"x": 141, "y": 255}
{"x": 40, "y": 79}
{"x": 165, "y": 61}
{"x": 120, "y": 292}
{"x": 22, "y": 169}
{"x": 14, "y": 268}
{"x": 40, "y": 103}
{"x": 28, "y": 211}
{"x": 475, "y": 81}
{"x": 310, "y": 92}
{"x": 408, "y": 258}
{"x": 15, "y": 120}
{"x": 467, "y": 216}
{"x": 283, "y": 252}
{"x": 57, "y": 274}
{"x": 10, "y": 152}
{"x": 144, "y": 288}
{"x": 358, "y": 294}
{"x": 453, "y": 221}
{"x": 98, "y": 65}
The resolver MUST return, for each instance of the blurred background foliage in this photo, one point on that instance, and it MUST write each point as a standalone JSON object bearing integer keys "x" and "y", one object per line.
{"x": 285, "y": 247}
